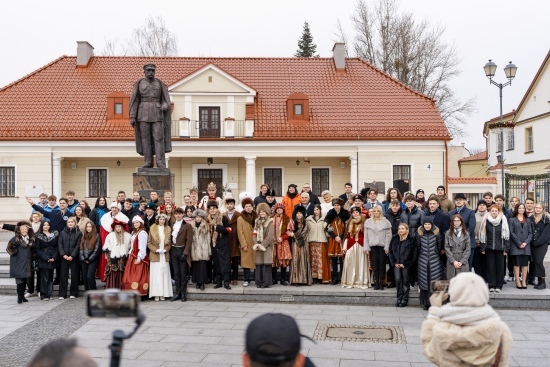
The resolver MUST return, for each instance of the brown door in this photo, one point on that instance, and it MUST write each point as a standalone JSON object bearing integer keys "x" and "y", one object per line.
{"x": 210, "y": 175}
{"x": 209, "y": 124}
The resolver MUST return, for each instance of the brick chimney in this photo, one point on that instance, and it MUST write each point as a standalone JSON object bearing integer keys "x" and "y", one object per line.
{"x": 339, "y": 56}
{"x": 84, "y": 52}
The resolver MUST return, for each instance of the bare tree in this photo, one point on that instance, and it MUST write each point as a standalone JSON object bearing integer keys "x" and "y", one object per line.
{"x": 412, "y": 52}
{"x": 151, "y": 39}
{"x": 341, "y": 36}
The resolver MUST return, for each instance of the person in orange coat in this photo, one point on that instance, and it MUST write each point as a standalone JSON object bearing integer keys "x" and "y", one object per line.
{"x": 291, "y": 199}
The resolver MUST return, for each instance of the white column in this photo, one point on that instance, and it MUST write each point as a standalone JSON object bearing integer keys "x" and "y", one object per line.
{"x": 56, "y": 176}
{"x": 353, "y": 173}
{"x": 251, "y": 175}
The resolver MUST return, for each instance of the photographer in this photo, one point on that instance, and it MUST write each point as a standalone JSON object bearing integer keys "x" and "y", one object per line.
{"x": 466, "y": 331}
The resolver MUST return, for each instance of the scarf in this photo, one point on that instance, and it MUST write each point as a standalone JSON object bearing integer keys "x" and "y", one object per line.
{"x": 293, "y": 195}
{"x": 458, "y": 232}
{"x": 261, "y": 223}
{"x": 354, "y": 225}
{"x": 463, "y": 315}
{"x": 495, "y": 222}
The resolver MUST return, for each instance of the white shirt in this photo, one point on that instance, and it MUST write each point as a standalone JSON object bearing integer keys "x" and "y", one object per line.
{"x": 176, "y": 230}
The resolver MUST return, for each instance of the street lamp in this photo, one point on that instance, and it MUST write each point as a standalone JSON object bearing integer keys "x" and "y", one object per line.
{"x": 510, "y": 70}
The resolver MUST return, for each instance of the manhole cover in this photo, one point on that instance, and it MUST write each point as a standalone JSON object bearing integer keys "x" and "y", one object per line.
{"x": 360, "y": 333}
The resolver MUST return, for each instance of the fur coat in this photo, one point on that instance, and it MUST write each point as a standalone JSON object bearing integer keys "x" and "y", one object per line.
{"x": 154, "y": 241}
{"x": 201, "y": 242}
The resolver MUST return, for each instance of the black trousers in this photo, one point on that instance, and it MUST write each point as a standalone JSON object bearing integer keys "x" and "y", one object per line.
{"x": 336, "y": 265}
{"x": 479, "y": 263}
{"x": 235, "y": 267}
{"x": 274, "y": 274}
{"x": 46, "y": 283}
{"x": 30, "y": 282}
{"x": 494, "y": 267}
{"x": 74, "y": 267}
{"x": 262, "y": 275}
{"x": 246, "y": 275}
{"x": 391, "y": 273}
{"x": 510, "y": 260}
{"x": 378, "y": 260}
{"x": 181, "y": 269}
{"x": 88, "y": 275}
{"x": 537, "y": 256}
{"x": 402, "y": 283}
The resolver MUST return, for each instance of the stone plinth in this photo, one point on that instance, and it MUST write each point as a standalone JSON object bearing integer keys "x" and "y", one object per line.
{"x": 153, "y": 179}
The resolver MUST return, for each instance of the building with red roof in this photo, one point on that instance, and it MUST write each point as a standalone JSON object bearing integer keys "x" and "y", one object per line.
{"x": 238, "y": 122}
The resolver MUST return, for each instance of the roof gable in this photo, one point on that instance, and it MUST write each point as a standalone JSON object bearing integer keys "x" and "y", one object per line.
{"x": 535, "y": 100}
{"x": 210, "y": 79}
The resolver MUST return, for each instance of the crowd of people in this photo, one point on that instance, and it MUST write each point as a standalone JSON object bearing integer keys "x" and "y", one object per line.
{"x": 149, "y": 245}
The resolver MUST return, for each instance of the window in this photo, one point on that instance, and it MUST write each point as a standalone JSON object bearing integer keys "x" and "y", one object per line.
{"x": 529, "y": 140}
{"x": 7, "y": 181}
{"x": 274, "y": 178}
{"x": 499, "y": 142}
{"x": 402, "y": 178}
{"x": 510, "y": 141}
{"x": 118, "y": 108}
{"x": 97, "y": 182}
{"x": 297, "y": 109}
{"x": 320, "y": 180}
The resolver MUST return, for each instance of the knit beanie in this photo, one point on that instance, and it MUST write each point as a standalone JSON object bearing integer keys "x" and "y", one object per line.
{"x": 480, "y": 202}
{"x": 441, "y": 187}
{"x": 468, "y": 290}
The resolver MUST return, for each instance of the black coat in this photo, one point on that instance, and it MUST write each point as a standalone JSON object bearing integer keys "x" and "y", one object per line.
{"x": 494, "y": 240}
{"x": 429, "y": 263}
{"x": 413, "y": 218}
{"x": 402, "y": 252}
{"x": 97, "y": 213}
{"x": 20, "y": 256}
{"x": 395, "y": 219}
{"x": 541, "y": 231}
{"x": 519, "y": 233}
{"x": 69, "y": 242}
{"x": 222, "y": 249}
{"x": 47, "y": 248}
{"x": 58, "y": 220}
{"x": 344, "y": 216}
{"x": 90, "y": 255}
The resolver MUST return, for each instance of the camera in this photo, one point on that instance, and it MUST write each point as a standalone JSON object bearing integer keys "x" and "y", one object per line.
{"x": 439, "y": 286}
{"x": 112, "y": 303}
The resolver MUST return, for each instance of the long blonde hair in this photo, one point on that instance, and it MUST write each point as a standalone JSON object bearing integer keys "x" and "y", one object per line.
{"x": 543, "y": 214}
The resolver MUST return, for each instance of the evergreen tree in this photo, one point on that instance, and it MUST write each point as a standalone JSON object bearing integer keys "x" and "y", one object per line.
{"x": 306, "y": 47}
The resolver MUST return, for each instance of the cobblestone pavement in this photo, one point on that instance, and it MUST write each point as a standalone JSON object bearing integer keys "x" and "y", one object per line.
{"x": 206, "y": 334}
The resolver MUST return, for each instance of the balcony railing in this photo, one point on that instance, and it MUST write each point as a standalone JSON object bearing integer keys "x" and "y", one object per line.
{"x": 228, "y": 128}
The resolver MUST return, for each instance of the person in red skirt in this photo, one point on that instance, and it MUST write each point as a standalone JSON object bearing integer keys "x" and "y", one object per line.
{"x": 105, "y": 228}
{"x": 136, "y": 273}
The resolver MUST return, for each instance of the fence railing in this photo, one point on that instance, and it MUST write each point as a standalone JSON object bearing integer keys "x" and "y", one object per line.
{"x": 536, "y": 187}
{"x": 207, "y": 129}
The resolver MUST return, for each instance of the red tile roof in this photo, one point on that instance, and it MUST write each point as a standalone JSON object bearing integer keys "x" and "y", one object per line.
{"x": 475, "y": 157}
{"x": 61, "y": 101}
{"x": 471, "y": 180}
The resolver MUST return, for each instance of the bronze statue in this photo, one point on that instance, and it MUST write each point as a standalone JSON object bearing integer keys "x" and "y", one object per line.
{"x": 150, "y": 111}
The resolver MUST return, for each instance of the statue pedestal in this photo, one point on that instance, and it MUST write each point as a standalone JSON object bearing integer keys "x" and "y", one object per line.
{"x": 153, "y": 179}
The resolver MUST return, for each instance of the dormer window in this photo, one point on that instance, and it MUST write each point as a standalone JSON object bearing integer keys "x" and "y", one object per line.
{"x": 297, "y": 107}
{"x": 118, "y": 107}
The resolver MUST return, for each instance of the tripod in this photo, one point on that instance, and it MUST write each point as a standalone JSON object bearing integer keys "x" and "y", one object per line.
{"x": 118, "y": 339}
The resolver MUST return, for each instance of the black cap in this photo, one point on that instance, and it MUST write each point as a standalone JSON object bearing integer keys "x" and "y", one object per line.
{"x": 149, "y": 66}
{"x": 273, "y": 338}
{"x": 441, "y": 187}
{"x": 460, "y": 196}
{"x": 419, "y": 190}
{"x": 481, "y": 202}
{"x": 151, "y": 205}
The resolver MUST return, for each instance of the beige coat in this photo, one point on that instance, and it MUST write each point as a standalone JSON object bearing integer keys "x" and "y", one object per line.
{"x": 316, "y": 230}
{"x": 450, "y": 345}
{"x": 201, "y": 242}
{"x": 154, "y": 241}
{"x": 244, "y": 232}
{"x": 265, "y": 257}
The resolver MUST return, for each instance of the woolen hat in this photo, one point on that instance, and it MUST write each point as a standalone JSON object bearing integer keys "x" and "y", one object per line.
{"x": 292, "y": 185}
{"x": 137, "y": 218}
{"x": 279, "y": 205}
{"x": 460, "y": 196}
{"x": 115, "y": 204}
{"x": 468, "y": 289}
{"x": 273, "y": 338}
{"x": 480, "y": 202}
{"x": 151, "y": 205}
{"x": 419, "y": 190}
{"x": 428, "y": 219}
{"x": 441, "y": 187}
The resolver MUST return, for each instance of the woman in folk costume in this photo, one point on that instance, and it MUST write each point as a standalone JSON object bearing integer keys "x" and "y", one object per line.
{"x": 282, "y": 255}
{"x": 19, "y": 249}
{"x": 356, "y": 261}
{"x": 116, "y": 247}
{"x": 211, "y": 196}
{"x": 466, "y": 331}
{"x": 136, "y": 274}
{"x": 263, "y": 248}
{"x": 335, "y": 225}
{"x": 159, "y": 244}
{"x": 105, "y": 228}
{"x": 200, "y": 250}
{"x": 318, "y": 246}
{"x": 300, "y": 266}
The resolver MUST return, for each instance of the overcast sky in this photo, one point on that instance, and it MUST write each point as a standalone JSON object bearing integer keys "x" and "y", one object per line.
{"x": 35, "y": 33}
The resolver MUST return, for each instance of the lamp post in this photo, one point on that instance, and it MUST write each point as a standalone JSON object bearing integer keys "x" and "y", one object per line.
{"x": 510, "y": 70}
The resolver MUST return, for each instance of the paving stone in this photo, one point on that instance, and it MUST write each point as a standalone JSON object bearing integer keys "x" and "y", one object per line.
{"x": 172, "y": 356}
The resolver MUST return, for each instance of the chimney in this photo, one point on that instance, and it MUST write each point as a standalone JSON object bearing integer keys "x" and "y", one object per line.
{"x": 339, "y": 56}
{"x": 84, "y": 52}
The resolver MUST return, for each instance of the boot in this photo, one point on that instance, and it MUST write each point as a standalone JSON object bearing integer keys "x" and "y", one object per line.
{"x": 274, "y": 275}
{"x": 283, "y": 276}
{"x": 177, "y": 296}
{"x": 541, "y": 284}
{"x": 184, "y": 296}
{"x": 21, "y": 293}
